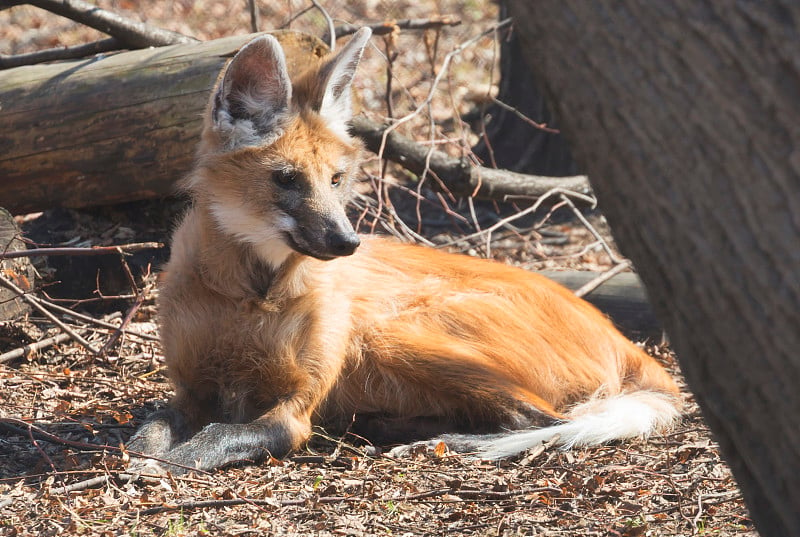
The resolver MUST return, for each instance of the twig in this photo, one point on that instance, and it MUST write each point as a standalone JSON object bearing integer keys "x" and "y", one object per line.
{"x": 523, "y": 117}
{"x": 296, "y": 16}
{"x": 614, "y": 257}
{"x": 30, "y": 300}
{"x": 42, "y": 452}
{"x": 383, "y": 28}
{"x": 422, "y": 496}
{"x": 460, "y": 177}
{"x": 603, "y": 278}
{"x": 81, "y": 485}
{"x": 445, "y": 65}
{"x": 127, "y": 319}
{"x": 22, "y": 425}
{"x": 131, "y": 33}
{"x": 99, "y": 322}
{"x": 535, "y": 452}
{"x": 63, "y": 53}
{"x": 331, "y": 36}
{"x": 36, "y": 346}
{"x": 391, "y": 56}
{"x": 254, "y": 16}
{"x": 533, "y": 208}
{"x": 92, "y": 250}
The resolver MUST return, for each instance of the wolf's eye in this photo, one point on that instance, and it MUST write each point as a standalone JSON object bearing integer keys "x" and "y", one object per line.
{"x": 285, "y": 178}
{"x": 337, "y": 179}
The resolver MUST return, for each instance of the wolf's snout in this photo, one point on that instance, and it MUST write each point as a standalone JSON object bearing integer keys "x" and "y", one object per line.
{"x": 343, "y": 243}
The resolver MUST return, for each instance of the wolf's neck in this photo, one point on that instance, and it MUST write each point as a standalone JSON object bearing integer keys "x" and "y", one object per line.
{"x": 235, "y": 268}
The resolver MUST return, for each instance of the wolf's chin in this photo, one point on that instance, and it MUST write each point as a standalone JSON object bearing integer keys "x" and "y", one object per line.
{"x": 300, "y": 249}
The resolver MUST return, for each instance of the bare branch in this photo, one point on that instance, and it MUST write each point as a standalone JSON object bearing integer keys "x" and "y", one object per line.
{"x": 383, "y": 28}
{"x": 254, "y": 16}
{"x": 64, "y": 53}
{"x": 94, "y": 250}
{"x": 331, "y": 35}
{"x": 35, "y": 346}
{"x": 30, "y": 300}
{"x": 458, "y": 175}
{"x": 600, "y": 280}
{"x": 132, "y": 33}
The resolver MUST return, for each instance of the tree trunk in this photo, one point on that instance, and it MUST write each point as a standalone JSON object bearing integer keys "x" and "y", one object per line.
{"x": 112, "y": 129}
{"x": 685, "y": 115}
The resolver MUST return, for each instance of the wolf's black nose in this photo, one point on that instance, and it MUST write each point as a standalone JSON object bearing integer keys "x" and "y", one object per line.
{"x": 343, "y": 243}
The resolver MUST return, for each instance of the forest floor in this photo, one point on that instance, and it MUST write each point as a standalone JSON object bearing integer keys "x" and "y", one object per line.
{"x": 64, "y": 412}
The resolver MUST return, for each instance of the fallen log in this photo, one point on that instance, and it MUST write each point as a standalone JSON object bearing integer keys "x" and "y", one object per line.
{"x": 113, "y": 128}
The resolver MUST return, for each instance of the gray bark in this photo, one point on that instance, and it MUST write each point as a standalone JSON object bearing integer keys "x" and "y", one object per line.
{"x": 685, "y": 116}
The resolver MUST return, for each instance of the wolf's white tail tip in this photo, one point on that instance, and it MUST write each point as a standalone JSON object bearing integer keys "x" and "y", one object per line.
{"x": 597, "y": 421}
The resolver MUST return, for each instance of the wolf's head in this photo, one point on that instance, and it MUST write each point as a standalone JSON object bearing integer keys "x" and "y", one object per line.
{"x": 276, "y": 160}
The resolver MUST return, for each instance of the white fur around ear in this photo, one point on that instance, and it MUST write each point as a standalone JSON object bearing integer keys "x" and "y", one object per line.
{"x": 253, "y": 98}
{"x": 337, "y": 106}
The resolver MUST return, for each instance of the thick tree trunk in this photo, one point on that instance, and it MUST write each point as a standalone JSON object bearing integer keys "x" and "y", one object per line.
{"x": 685, "y": 115}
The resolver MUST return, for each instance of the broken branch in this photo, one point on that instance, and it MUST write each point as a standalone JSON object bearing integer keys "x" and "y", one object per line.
{"x": 383, "y": 28}
{"x": 93, "y": 250}
{"x": 64, "y": 53}
{"x": 458, "y": 175}
{"x": 44, "y": 311}
{"x": 132, "y": 33}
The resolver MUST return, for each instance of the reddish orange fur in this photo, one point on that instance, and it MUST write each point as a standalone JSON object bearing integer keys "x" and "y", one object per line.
{"x": 395, "y": 329}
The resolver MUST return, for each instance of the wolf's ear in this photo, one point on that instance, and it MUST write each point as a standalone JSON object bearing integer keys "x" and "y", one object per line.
{"x": 253, "y": 98}
{"x": 337, "y": 76}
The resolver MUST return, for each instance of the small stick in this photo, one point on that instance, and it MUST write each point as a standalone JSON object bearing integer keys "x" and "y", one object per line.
{"x": 523, "y": 117}
{"x": 30, "y": 300}
{"x": 254, "y": 16}
{"x": 93, "y": 250}
{"x": 331, "y": 29}
{"x": 99, "y": 322}
{"x": 614, "y": 257}
{"x": 383, "y": 28}
{"x": 64, "y": 53}
{"x": 121, "y": 328}
{"x": 36, "y": 346}
{"x": 61, "y": 338}
{"x": 603, "y": 278}
{"x": 445, "y": 66}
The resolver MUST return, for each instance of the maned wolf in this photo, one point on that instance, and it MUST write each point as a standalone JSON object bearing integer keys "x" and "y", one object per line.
{"x": 275, "y": 315}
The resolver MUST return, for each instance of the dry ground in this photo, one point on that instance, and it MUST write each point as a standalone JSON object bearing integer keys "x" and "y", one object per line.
{"x": 65, "y": 412}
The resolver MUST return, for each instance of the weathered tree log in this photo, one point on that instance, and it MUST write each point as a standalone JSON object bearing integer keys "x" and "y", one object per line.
{"x": 684, "y": 113}
{"x": 111, "y": 129}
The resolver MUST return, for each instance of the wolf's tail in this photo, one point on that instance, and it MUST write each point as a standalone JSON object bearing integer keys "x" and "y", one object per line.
{"x": 599, "y": 420}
